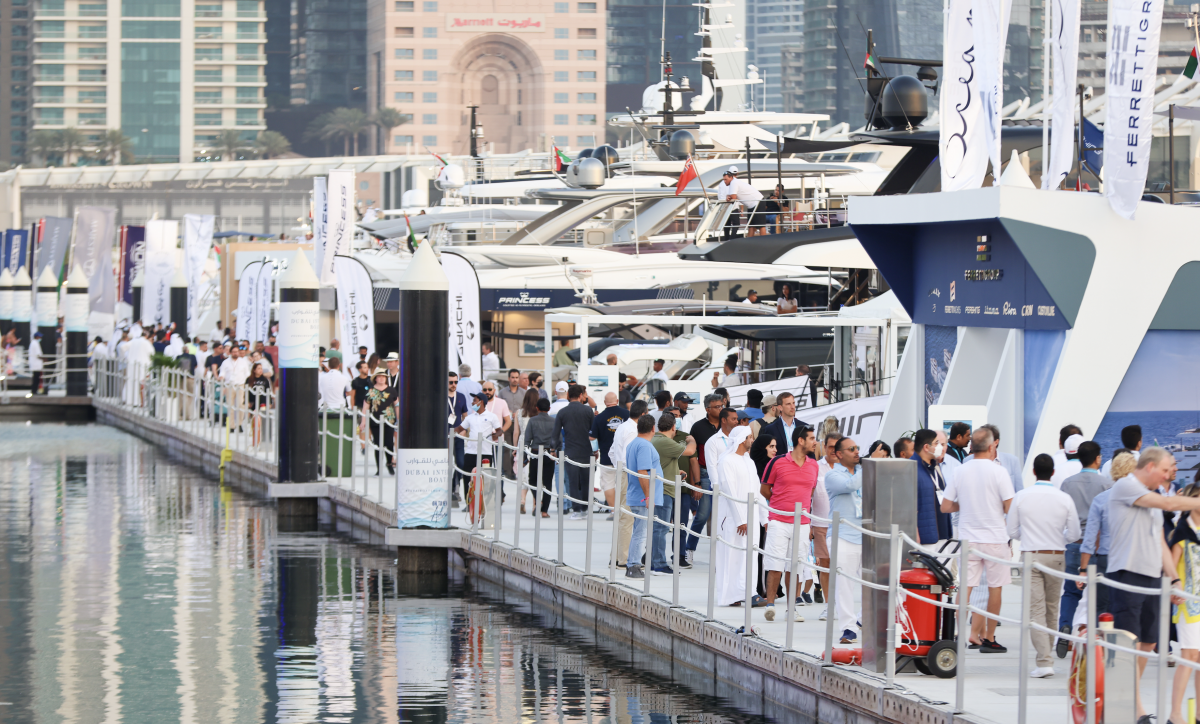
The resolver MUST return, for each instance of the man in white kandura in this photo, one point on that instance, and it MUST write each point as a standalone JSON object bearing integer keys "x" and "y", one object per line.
{"x": 739, "y": 479}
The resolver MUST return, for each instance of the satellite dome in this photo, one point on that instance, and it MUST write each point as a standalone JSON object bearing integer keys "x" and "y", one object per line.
{"x": 590, "y": 173}
{"x": 606, "y": 154}
{"x": 903, "y": 102}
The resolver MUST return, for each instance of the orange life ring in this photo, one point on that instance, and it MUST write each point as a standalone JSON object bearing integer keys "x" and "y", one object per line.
{"x": 1077, "y": 685}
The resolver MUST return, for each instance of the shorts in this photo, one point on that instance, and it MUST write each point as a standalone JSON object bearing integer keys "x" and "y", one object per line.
{"x": 1189, "y": 634}
{"x": 998, "y": 574}
{"x": 606, "y": 478}
{"x": 777, "y": 551}
{"x": 820, "y": 543}
{"x": 1136, "y": 613}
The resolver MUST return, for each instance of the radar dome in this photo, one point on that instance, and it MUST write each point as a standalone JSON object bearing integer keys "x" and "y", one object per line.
{"x": 606, "y": 154}
{"x": 451, "y": 176}
{"x": 683, "y": 144}
{"x": 904, "y": 102}
{"x": 590, "y": 173}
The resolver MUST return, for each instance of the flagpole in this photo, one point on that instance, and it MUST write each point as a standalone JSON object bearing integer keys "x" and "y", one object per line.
{"x": 1046, "y": 91}
{"x": 1171, "y": 148}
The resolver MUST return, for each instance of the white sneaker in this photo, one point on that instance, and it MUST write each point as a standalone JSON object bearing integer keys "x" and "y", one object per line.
{"x": 769, "y": 613}
{"x": 1042, "y": 672}
{"x": 578, "y": 516}
{"x": 824, "y": 614}
{"x": 799, "y": 618}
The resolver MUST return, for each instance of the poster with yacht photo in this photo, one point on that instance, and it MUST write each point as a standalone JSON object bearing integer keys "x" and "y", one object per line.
{"x": 940, "y": 343}
{"x": 1160, "y": 392}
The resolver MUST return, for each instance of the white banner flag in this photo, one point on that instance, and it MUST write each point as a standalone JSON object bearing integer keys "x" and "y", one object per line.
{"x": 1132, "y": 63}
{"x": 247, "y": 299}
{"x": 339, "y": 223}
{"x": 1064, "y": 64}
{"x": 356, "y": 305}
{"x": 961, "y": 143}
{"x": 464, "y": 330}
{"x": 263, "y": 293}
{"x": 989, "y": 20}
{"x": 319, "y": 209}
{"x": 197, "y": 240}
{"x": 158, "y": 270}
{"x": 94, "y": 227}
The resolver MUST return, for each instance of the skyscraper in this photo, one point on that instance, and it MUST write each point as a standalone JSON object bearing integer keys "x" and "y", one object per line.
{"x": 635, "y": 43}
{"x": 14, "y": 80}
{"x": 170, "y": 74}
{"x": 329, "y": 52}
{"x": 771, "y": 24}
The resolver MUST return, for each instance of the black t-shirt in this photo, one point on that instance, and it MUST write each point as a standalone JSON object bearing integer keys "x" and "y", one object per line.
{"x": 214, "y": 359}
{"x": 360, "y": 385}
{"x": 187, "y": 362}
{"x": 701, "y": 431}
{"x": 604, "y": 426}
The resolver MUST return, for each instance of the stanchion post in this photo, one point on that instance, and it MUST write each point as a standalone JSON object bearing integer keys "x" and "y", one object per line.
{"x": 562, "y": 484}
{"x": 499, "y": 498}
{"x": 1164, "y": 649}
{"x": 591, "y": 514}
{"x": 964, "y": 629}
{"x": 750, "y": 536}
{"x": 793, "y": 581}
{"x": 1093, "y": 658}
{"x": 537, "y": 512}
{"x": 616, "y": 529}
{"x": 677, "y": 516}
{"x": 893, "y": 598}
{"x": 831, "y": 594}
{"x": 712, "y": 552}
{"x": 522, "y": 486}
{"x": 1026, "y": 617}
{"x": 648, "y": 566}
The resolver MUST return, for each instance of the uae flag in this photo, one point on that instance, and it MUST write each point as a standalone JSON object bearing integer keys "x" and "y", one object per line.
{"x": 412, "y": 238}
{"x": 1190, "y": 69}
{"x": 561, "y": 160}
{"x": 688, "y": 175}
{"x": 869, "y": 62}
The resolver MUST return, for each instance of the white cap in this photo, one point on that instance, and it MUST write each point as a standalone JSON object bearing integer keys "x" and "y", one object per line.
{"x": 733, "y": 170}
{"x": 560, "y": 387}
{"x": 1071, "y": 446}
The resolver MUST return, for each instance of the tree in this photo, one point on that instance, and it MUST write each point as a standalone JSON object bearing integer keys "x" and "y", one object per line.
{"x": 344, "y": 123}
{"x": 230, "y": 144}
{"x": 318, "y": 130}
{"x": 115, "y": 148}
{"x": 44, "y": 144}
{"x": 70, "y": 141}
{"x": 271, "y": 144}
{"x": 387, "y": 119}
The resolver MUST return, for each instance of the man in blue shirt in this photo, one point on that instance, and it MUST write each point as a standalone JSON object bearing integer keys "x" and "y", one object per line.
{"x": 753, "y": 407}
{"x": 1083, "y": 487}
{"x": 932, "y": 524}
{"x": 644, "y": 493}
{"x": 844, "y": 485}
{"x": 456, "y": 410}
{"x": 1094, "y": 548}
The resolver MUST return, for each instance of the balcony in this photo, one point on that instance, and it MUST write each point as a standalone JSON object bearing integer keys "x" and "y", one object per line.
{"x": 50, "y": 34}
{"x": 93, "y": 13}
{"x": 251, "y": 36}
{"x": 49, "y": 78}
{"x": 208, "y": 14}
{"x": 209, "y": 36}
{"x": 250, "y": 56}
{"x": 52, "y": 55}
{"x": 86, "y": 33}
{"x": 250, "y": 15}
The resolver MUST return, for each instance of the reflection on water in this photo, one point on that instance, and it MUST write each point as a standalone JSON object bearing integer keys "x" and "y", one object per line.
{"x": 133, "y": 589}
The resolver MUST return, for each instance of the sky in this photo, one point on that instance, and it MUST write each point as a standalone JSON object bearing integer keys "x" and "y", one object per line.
{"x": 1164, "y": 375}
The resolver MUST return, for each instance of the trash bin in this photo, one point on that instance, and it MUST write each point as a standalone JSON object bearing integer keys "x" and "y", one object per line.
{"x": 339, "y": 452}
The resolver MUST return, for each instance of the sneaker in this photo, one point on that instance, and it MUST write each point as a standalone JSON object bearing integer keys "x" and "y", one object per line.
{"x": 808, "y": 599}
{"x": 1063, "y": 646}
{"x": 824, "y": 614}
{"x": 798, "y": 618}
{"x": 818, "y": 594}
{"x": 849, "y": 637}
{"x": 769, "y": 612}
{"x": 688, "y": 558}
{"x": 664, "y": 571}
{"x": 1042, "y": 672}
{"x": 684, "y": 563}
{"x": 859, "y": 624}
{"x": 634, "y": 572}
{"x": 991, "y": 647}
{"x": 610, "y": 516}
{"x": 578, "y": 515}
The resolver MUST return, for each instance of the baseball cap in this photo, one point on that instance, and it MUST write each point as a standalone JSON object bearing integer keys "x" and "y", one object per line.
{"x": 1071, "y": 446}
{"x": 561, "y": 386}
{"x": 769, "y": 400}
{"x": 683, "y": 396}
{"x": 477, "y": 395}
{"x": 742, "y": 415}
{"x": 732, "y": 170}
{"x": 752, "y": 291}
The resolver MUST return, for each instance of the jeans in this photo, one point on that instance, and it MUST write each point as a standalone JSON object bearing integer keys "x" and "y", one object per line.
{"x": 666, "y": 511}
{"x": 460, "y": 463}
{"x": 1070, "y": 592}
{"x": 732, "y": 225}
{"x": 637, "y": 543}
{"x": 544, "y": 468}
{"x": 577, "y": 483}
{"x": 698, "y": 511}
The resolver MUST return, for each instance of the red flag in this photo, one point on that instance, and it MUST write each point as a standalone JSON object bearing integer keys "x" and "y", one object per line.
{"x": 689, "y": 173}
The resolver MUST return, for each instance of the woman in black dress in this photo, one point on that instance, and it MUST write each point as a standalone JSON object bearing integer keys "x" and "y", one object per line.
{"x": 258, "y": 394}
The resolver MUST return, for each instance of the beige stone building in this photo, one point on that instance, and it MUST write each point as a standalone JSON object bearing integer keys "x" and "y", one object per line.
{"x": 535, "y": 68}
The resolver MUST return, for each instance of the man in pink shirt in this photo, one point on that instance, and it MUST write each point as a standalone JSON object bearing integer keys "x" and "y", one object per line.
{"x": 790, "y": 480}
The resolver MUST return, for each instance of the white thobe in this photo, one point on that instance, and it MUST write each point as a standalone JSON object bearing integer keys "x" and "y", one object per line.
{"x": 739, "y": 478}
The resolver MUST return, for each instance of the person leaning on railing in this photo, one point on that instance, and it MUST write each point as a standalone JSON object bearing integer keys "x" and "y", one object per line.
{"x": 258, "y": 388}
{"x": 1185, "y": 552}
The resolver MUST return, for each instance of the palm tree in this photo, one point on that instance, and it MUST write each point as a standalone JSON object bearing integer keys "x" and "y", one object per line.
{"x": 230, "y": 144}
{"x": 271, "y": 144}
{"x": 387, "y": 119}
{"x": 44, "y": 144}
{"x": 70, "y": 140}
{"x": 347, "y": 124}
{"x": 318, "y": 130}
{"x": 115, "y": 148}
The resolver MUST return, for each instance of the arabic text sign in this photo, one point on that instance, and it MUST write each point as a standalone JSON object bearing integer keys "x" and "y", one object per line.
{"x": 495, "y": 22}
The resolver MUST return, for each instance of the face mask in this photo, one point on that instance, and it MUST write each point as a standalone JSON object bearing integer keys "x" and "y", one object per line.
{"x": 938, "y": 450}
{"x": 595, "y": 446}
{"x": 679, "y": 423}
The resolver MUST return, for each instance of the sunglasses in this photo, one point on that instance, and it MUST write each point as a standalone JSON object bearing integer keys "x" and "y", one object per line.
{"x": 849, "y": 449}
{"x": 452, "y": 384}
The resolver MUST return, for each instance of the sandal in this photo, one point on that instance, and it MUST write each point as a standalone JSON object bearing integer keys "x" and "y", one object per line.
{"x": 545, "y": 515}
{"x": 522, "y": 509}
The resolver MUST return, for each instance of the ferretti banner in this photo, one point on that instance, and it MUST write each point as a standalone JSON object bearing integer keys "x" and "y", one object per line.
{"x": 355, "y": 301}
{"x": 247, "y": 299}
{"x": 54, "y": 236}
{"x": 962, "y": 148}
{"x": 16, "y": 248}
{"x": 158, "y": 269}
{"x": 989, "y": 21}
{"x": 320, "y": 206}
{"x": 339, "y": 223}
{"x": 1132, "y": 64}
{"x": 263, "y": 288}
{"x": 197, "y": 240}
{"x": 1063, "y": 66}
{"x": 94, "y": 226}
{"x": 133, "y": 258}
{"x": 464, "y": 338}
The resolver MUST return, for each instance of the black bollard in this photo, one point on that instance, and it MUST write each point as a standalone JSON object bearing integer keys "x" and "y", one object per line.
{"x": 75, "y": 324}
{"x": 6, "y": 301}
{"x": 136, "y": 287}
{"x": 299, "y": 311}
{"x": 22, "y": 306}
{"x": 423, "y": 492}
{"x": 179, "y": 300}
{"x": 47, "y": 314}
